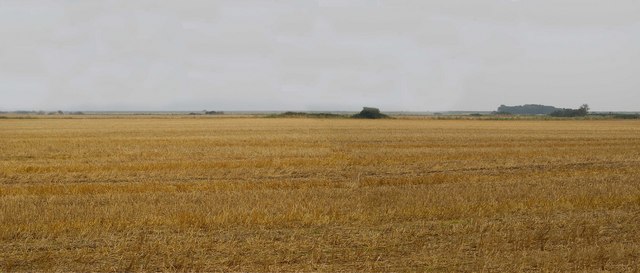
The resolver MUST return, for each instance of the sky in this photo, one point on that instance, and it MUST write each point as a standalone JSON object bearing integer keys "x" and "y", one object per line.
{"x": 398, "y": 55}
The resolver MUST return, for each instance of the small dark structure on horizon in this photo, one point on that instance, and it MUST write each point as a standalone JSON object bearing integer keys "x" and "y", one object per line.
{"x": 370, "y": 113}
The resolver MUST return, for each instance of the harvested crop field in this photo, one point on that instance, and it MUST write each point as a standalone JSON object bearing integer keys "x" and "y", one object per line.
{"x": 256, "y": 194}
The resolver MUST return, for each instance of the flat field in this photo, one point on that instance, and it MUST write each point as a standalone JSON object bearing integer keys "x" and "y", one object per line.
{"x": 258, "y": 194}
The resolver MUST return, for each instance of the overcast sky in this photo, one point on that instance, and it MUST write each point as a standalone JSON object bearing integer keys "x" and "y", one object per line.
{"x": 414, "y": 55}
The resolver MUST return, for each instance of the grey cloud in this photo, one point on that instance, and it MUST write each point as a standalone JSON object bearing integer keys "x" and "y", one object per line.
{"x": 318, "y": 55}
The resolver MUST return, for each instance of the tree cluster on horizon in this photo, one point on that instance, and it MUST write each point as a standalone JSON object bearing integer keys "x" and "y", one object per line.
{"x": 537, "y": 109}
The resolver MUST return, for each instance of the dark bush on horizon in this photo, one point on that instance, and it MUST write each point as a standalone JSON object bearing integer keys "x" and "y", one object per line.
{"x": 370, "y": 113}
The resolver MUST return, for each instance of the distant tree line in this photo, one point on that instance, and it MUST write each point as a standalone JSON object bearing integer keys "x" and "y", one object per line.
{"x": 59, "y": 112}
{"x": 366, "y": 113}
{"x": 205, "y": 112}
{"x": 291, "y": 114}
{"x": 527, "y": 109}
{"x": 537, "y": 109}
{"x": 580, "y": 112}
{"x": 213, "y": 112}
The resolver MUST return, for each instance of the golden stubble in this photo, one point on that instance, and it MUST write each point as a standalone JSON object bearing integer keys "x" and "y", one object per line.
{"x": 255, "y": 194}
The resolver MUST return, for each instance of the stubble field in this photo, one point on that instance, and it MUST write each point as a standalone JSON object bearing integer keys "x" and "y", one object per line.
{"x": 256, "y": 194}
